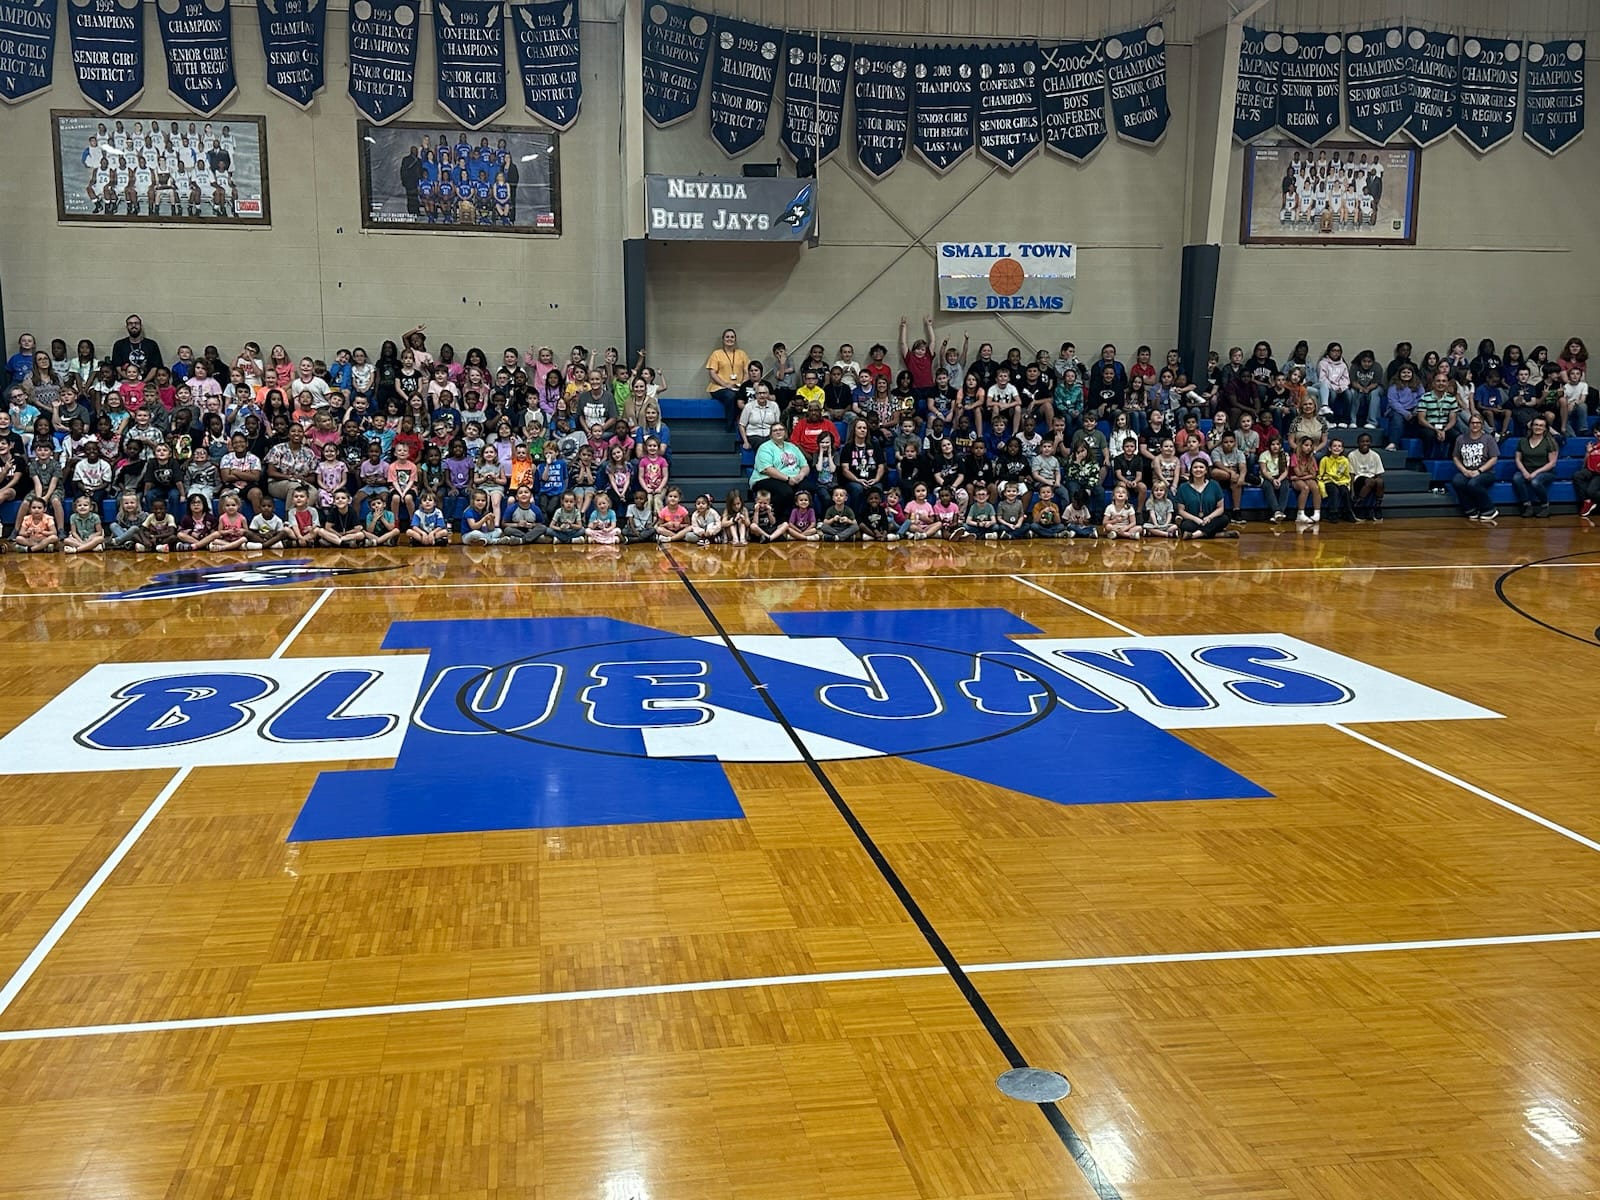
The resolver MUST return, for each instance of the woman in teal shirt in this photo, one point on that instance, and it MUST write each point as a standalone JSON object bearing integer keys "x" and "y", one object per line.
{"x": 779, "y": 468}
{"x": 1201, "y": 510}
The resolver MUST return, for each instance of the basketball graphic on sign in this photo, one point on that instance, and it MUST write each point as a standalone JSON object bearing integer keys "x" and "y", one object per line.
{"x": 1006, "y": 277}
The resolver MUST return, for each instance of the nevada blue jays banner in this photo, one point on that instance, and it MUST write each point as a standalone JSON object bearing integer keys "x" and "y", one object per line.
{"x": 1377, "y": 84}
{"x": 383, "y": 58}
{"x": 1138, "y": 73}
{"x": 742, "y": 81}
{"x": 107, "y": 51}
{"x": 1308, "y": 88}
{"x": 944, "y": 91}
{"x": 197, "y": 37}
{"x": 548, "y": 56}
{"x": 883, "y": 107}
{"x": 1491, "y": 69}
{"x": 1552, "y": 116}
{"x": 1072, "y": 98}
{"x": 1255, "y": 100}
{"x": 469, "y": 49}
{"x": 27, "y": 47}
{"x": 294, "y": 39}
{"x": 813, "y": 96}
{"x": 1009, "y": 126}
{"x": 676, "y": 40}
{"x": 1435, "y": 77}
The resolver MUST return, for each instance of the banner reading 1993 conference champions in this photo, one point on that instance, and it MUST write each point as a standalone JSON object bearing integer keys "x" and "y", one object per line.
{"x": 27, "y": 47}
{"x": 469, "y": 46}
{"x": 1138, "y": 73}
{"x": 549, "y": 59}
{"x": 294, "y": 41}
{"x": 197, "y": 36}
{"x": 383, "y": 58}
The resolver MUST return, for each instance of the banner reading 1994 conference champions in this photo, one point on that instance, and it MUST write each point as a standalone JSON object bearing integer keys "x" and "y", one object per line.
{"x": 549, "y": 58}
{"x": 469, "y": 46}
{"x": 673, "y": 55}
{"x": 197, "y": 36}
{"x": 294, "y": 41}
{"x": 1138, "y": 73}
{"x": 27, "y": 47}
{"x": 383, "y": 58}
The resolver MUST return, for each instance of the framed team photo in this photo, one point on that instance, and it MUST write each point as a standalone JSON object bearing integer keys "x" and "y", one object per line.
{"x": 161, "y": 168}
{"x": 417, "y": 176}
{"x": 1336, "y": 193}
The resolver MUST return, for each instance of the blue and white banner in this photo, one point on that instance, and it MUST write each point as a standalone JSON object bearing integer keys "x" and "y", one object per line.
{"x": 945, "y": 89}
{"x": 1006, "y": 276}
{"x": 742, "y": 81}
{"x": 676, "y": 41}
{"x": 27, "y": 47}
{"x": 813, "y": 96}
{"x": 549, "y": 57}
{"x": 383, "y": 58}
{"x": 1072, "y": 98}
{"x": 469, "y": 49}
{"x": 1008, "y": 122}
{"x": 1491, "y": 70}
{"x": 107, "y": 51}
{"x": 1255, "y": 100}
{"x": 197, "y": 37}
{"x": 1552, "y": 117}
{"x": 1138, "y": 75}
{"x": 294, "y": 40}
{"x": 1435, "y": 79}
{"x": 1377, "y": 84}
{"x": 1308, "y": 89}
{"x": 883, "y": 107}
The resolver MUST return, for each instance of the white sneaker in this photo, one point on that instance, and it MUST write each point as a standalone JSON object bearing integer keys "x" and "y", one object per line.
{"x": 1316, "y": 518}
{"x": 1300, "y": 518}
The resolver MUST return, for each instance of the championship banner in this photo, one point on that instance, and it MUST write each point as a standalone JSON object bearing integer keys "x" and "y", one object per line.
{"x": 742, "y": 81}
{"x": 549, "y": 58}
{"x": 717, "y": 208}
{"x": 813, "y": 96}
{"x": 1006, "y": 276}
{"x": 676, "y": 41}
{"x": 1491, "y": 69}
{"x": 1255, "y": 101}
{"x": 945, "y": 92}
{"x": 383, "y": 58}
{"x": 1377, "y": 84}
{"x": 1552, "y": 118}
{"x": 1072, "y": 98}
{"x": 1308, "y": 89}
{"x": 1435, "y": 76}
{"x": 883, "y": 107}
{"x": 1008, "y": 124}
{"x": 27, "y": 47}
{"x": 1138, "y": 75}
{"x": 107, "y": 51}
{"x": 294, "y": 40}
{"x": 469, "y": 48}
{"x": 198, "y": 42}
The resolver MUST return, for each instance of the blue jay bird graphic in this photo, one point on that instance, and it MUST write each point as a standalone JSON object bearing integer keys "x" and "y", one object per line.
{"x": 798, "y": 214}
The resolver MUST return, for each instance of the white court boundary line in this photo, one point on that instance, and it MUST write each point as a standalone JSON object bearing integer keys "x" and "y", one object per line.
{"x": 901, "y": 577}
{"x": 1436, "y": 772}
{"x": 771, "y": 981}
{"x": 58, "y": 929}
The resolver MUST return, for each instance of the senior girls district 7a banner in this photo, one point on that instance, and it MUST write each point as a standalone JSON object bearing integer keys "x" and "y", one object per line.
{"x": 294, "y": 41}
{"x": 813, "y": 96}
{"x": 1255, "y": 99}
{"x": 1008, "y": 123}
{"x": 944, "y": 88}
{"x": 27, "y": 47}
{"x": 883, "y": 107}
{"x": 383, "y": 58}
{"x": 1377, "y": 84}
{"x": 676, "y": 40}
{"x": 1308, "y": 89}
{"x": 1552, "y": 117}
{"x": 1072, "y": 98}
{"x": 742, "y": 81}
{"x": 107, "y": 51}
{"x": 549, "y": 57}
{"x": 1138, "y": 73}
{"x": 469, "y": 48}
{"x": 197, "y": 38}
{"x": 1435, "y": 74}
{"x": 1486, "y": 113}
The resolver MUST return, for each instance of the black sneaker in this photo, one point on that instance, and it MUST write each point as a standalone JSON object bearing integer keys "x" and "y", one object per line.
{"x": 1544, "y": 510}
{"x": 1491, "y": 515}
{"x": 1527, "y": 511}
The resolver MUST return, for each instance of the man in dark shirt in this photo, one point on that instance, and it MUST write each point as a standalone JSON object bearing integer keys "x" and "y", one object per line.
{"x": 144, "y": 353}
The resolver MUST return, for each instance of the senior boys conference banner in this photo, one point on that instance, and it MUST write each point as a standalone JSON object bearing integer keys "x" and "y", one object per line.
{"x": 1007, "y": 276}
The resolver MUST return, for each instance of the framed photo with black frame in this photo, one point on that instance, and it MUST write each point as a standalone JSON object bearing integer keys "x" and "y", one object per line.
{"x": 143, "y": 168}
{"x": 1337, "y": 193}
{"x": 419, "y": 177}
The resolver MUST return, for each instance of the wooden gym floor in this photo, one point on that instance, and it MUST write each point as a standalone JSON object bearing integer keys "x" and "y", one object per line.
{"x": 1378, "y": 981}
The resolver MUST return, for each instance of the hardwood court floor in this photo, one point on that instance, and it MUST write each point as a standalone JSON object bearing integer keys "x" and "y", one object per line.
{"x": 1425, "y": 1023}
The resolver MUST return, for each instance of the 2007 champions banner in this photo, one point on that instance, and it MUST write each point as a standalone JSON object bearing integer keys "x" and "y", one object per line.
{"x": 1137, "y": 69}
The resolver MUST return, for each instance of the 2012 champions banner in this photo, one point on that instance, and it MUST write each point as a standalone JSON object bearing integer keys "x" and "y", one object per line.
{"x": 1490, "y": 74}
{"x": 1552, "y": 116}
{"x": 27, "y": 47}
{"x": 294, "y": 42}
{"x": 197, "y": 38}
{"x": 549, "y": 58}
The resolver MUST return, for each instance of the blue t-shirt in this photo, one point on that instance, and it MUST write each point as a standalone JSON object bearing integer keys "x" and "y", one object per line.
{"x": 553, "y": 478}
{"x": 423, "y": 519}
{"x": 19, "y": 366}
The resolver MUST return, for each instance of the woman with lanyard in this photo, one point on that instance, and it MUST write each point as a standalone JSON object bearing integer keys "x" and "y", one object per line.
{"x": 726, "y": 368}
{"x": 758, "y": 417}
{"x": 1202, "y": 511}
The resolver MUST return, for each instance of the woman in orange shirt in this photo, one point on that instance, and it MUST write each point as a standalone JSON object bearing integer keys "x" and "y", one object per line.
{"x": 726, "y": 368}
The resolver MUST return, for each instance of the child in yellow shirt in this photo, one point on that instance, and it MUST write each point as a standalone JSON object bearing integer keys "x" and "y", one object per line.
{"x": 1335, "y": 478}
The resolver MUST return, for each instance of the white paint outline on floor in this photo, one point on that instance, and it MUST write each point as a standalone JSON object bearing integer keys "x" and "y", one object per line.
{"x": 770, "y": 981}
{"x": 58, "y": 928}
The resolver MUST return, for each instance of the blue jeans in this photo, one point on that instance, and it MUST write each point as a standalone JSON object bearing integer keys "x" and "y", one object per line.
{"x": 1370, "y": 407}
{"x": 1473, "y": 494}
{"x": 1535, "y": 490}
{"x": 1396, "y": 425}
{"x": 1276, "y": 495}
{"x": 1341, "y": 401}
